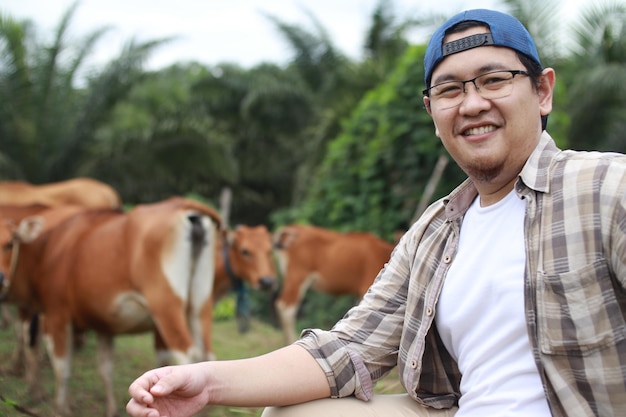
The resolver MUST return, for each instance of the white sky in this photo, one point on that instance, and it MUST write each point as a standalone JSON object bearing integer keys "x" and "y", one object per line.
{"x": 217, "y": 31}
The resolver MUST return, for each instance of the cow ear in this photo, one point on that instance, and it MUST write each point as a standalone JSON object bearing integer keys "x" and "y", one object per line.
{"x": 277, "y": 238}
{"x": 229, "y": 237}
{"x": 29, "y": 228}
{"x": 284, "y": 238}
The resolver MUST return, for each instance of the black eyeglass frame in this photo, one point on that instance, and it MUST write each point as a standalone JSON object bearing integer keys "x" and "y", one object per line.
{"x": 426, "y": 92}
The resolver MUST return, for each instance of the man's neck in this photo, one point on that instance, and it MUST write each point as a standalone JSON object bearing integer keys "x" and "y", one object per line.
{"x": 491, "y": 193}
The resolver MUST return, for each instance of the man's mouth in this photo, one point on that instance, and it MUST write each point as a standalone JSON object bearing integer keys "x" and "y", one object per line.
{"x": 479, "y": 130}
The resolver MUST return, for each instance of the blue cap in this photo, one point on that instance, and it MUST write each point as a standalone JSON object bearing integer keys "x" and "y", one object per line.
{"x": 505, "y": 29}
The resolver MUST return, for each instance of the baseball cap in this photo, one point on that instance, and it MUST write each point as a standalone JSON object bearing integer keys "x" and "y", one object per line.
{"x": 505, "y": 29}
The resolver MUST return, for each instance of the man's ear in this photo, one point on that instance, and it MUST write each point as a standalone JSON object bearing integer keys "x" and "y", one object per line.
{"x": 426, "y": 100}
{"x": 546, "y": 90}
{"x": 429, "y": 111}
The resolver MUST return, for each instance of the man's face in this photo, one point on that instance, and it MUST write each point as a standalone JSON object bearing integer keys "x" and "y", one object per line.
{"x": 490, "y": 139}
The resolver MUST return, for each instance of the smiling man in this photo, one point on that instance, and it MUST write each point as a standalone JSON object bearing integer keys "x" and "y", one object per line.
{"x": 506, "y": 298}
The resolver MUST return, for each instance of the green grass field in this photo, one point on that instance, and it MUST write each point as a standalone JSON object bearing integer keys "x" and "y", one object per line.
{"x": 133, "y": 356}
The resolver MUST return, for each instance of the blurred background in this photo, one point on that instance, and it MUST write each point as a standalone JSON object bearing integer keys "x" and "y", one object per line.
{"x": 321, "y": 124}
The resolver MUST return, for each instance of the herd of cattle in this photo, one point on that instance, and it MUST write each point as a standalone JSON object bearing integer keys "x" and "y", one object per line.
{"x": 74, "y": 261}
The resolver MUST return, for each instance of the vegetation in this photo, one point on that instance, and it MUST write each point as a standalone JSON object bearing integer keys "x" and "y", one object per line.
{"x": 322, "y": 139}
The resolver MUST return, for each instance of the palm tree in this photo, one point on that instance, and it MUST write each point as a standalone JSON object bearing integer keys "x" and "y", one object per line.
{"x": 597, "y": 84}
{"x": 336, "y": 83}
{"x": 543, "y": 20}
{"x": 261, "y": 113}
{"x": 48, "y": 124}
{"x": 157, "y": 141}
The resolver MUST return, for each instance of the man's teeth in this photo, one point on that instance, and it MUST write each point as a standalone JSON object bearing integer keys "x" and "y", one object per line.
{"x": 479, "y": 130}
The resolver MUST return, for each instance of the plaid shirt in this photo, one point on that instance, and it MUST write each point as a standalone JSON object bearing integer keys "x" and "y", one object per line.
{"x": 575, "y": 296}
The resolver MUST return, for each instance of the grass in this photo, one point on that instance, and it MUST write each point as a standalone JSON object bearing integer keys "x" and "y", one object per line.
{"x": 133, "y": 356}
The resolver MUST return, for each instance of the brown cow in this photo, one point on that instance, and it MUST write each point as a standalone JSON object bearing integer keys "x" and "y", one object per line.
{"x": 327, "y": 261}
{"x": 118, "y": 273}
{"x": 84, "y": 192}
{"x": 23, "y": 358}
{"x": 245, "y": 255}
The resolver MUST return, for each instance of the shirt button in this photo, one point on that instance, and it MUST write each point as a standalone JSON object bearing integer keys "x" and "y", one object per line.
{"x": 414, "y": 364}
{"x": 447, "y": 259}
{"x": 429, "y": 311}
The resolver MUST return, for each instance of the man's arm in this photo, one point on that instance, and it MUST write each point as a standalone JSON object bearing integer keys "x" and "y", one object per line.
{"x": 288, "y": 375}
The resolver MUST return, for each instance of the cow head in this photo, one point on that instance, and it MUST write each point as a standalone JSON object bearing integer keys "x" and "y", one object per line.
{"x": 250, "y": 255}
{"x": 12, "y": 237}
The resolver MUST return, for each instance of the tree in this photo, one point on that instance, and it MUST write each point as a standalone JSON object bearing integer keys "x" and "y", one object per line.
{"x": 262, "y": 113}
{"x": 158, "y": 142}
{"x": 543, "y": 21}
{"x": 337, "y": 84}
{"x": 597, "y": 79}
{"x": 374, "y": 173}
{"x": 48, "y": 124}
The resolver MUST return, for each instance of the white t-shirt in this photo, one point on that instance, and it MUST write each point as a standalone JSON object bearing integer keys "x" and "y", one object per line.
{"x": 480, "y": 315}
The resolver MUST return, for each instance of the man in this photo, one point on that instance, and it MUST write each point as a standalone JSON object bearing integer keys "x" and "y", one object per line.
{"x": 505, "y": 298}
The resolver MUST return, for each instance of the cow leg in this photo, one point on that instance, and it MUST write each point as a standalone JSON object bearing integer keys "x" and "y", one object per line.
{"x": 168, "y": 356}
{"x": 105, "y": 368}
{"x": 6, "y": 317}
{"x": 17, "y": 356}
{"x": 58, "y": 337}
{"x": 30, "y": 354}
{"x": 207, "y": 326}
{"x": 295, "y": 285}
{"x": 287, "y": 315}
{"x": 25, "y": 358}
{"x": 164, "y": 356}
{"x": 20, "y": 326}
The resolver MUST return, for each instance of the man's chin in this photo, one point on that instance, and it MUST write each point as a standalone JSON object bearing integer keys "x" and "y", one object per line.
{"x": 483, "y": 172}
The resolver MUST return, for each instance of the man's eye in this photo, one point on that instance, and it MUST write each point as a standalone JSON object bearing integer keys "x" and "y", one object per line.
{"x": 448, "y": 90}
{"x": 493, "y": 80}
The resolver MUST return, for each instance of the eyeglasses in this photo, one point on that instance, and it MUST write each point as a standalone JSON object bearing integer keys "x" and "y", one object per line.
{"x": 491, "y": 85}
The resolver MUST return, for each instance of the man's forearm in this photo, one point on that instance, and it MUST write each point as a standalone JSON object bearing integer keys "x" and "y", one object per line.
{"x": 287, "y": 376}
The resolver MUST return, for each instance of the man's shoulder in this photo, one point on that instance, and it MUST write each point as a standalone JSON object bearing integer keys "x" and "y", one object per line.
{"x": 596, "y": 160}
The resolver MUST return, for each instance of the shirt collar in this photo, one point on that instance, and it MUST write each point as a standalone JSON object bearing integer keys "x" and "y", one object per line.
{"x": 536, "y": 171}
{"x": 534, "y": 175}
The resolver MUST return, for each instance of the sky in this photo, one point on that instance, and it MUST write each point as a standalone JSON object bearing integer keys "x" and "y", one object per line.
{"x": 218, "y": 31}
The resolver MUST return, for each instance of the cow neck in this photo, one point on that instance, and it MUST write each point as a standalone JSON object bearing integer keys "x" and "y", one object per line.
{"x": 234, "y": 279}
{"x": 243, "y": 301}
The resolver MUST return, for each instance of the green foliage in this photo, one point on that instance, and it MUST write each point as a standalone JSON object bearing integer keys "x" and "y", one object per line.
{"x": 225, "y": 308}
{"x": 373, "y": 174}
{"x": 596, "y": 82}
{"x": 326, "y": 140}
{"x": 262, "y": 112}
{"x": 322, "y": 311}
{"x": 47, "y": 127}
{"x": 158, "y": 143}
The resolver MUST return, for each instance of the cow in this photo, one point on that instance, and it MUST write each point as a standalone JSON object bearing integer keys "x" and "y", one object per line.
{"x": 26, "y": 329}
{"x": 244, "y": 256}
{"x": 115, "y": 272}
{"x": 86, "y": 192}
{"x": 326, "y": 261}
